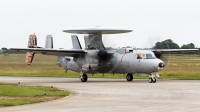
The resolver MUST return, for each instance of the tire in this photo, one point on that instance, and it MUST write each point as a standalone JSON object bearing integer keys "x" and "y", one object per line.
{"x": 154, "y": 80}
{"x": 129, "y": 77}
{"x": 150, "y": 80}
{"x": 84, "y": 78}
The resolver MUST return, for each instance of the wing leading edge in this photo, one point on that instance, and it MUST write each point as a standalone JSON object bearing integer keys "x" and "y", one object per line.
{"x": 55, "y": 52}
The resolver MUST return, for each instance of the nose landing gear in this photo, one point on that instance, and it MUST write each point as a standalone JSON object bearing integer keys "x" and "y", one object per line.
{"x": 152, "y": 78}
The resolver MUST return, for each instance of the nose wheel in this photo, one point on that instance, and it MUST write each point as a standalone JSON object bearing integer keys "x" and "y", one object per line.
{"x": 152, "y": 80}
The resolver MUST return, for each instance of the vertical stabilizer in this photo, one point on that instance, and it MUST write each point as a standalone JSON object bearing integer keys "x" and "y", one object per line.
{"x": 75, "y": 42}
{"x": 32, "y": 43}
{"x": 94, "y": 41}
{"x": 49, "y": 41}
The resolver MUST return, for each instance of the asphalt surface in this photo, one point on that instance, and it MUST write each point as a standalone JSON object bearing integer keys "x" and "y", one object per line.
{"x": 114, "y": 95}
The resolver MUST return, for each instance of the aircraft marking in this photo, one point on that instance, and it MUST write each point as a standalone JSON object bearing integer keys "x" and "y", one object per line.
{"x": 121, "y": 63}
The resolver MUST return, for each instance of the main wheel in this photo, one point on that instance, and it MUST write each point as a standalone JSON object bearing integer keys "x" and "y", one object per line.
{"x": 129, "y": 77}
{"x": 154, "y": 80}
{"x": 84, "y": 78}
{"x": 150, "y": 80}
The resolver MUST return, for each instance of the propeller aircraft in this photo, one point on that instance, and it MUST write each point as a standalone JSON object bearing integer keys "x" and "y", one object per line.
{"x": 96, "y": 58}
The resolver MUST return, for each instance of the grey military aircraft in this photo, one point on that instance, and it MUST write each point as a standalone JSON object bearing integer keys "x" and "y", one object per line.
{"x": 96, "y": 58}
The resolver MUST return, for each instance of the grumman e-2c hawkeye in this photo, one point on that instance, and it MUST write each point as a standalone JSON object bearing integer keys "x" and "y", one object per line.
{"x": 95, "y": 58}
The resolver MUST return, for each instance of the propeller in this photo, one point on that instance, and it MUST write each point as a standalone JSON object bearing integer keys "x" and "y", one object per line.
{"x": 102, "y": 54}
{"x": 108, "y": 42}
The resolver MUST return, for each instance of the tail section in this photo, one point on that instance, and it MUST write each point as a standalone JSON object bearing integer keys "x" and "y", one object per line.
{"x": 75, "y": 42}
{"x": 32, "y": 43}
{"x": 49, "y": 41}
{"x": 29, "y": 57}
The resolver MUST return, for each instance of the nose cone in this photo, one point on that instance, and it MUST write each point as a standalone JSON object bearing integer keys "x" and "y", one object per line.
{"x": 161, "y": 65}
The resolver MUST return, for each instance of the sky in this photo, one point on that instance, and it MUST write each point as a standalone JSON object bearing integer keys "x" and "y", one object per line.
{"x": 150, "y": 20}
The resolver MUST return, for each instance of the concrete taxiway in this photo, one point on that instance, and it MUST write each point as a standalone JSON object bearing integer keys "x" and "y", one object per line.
{"x": 116, "y": 95}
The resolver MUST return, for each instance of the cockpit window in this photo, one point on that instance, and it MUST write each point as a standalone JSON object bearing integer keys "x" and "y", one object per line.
{"x": 146, "y": 56}
{"x": 149, "y": 56}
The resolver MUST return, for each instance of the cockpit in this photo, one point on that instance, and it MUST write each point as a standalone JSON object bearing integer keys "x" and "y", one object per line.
{"x": 145, "y": 56}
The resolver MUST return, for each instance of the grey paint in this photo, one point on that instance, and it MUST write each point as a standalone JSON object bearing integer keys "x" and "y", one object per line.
{"x": 123, "y": 60}
{"x": 97, "y": 30}
{"x": 49, "y": 41}
{"x": 115, "y": 63}
{"x": 94, "y": 41}
{"x": 75, "y": 42}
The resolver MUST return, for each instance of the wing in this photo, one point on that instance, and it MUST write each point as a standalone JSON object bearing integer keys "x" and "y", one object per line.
{"x": 55, "y": 52}
{"x": 174, "y": 50}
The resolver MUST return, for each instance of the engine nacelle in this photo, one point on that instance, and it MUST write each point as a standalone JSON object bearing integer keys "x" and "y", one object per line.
{"x": 157, "y": 53}
{"x": 90, "y": 67}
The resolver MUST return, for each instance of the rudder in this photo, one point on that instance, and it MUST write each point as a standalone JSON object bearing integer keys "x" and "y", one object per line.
{"x": 49, "y": 41}
{"x": 32, "y": 43}
{"x": 75, "y": 42}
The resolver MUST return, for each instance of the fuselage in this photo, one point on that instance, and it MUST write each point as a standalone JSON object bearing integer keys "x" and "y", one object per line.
{"x": 133, "y": 61}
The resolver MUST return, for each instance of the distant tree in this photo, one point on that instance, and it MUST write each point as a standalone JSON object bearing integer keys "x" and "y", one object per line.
{"x": 166, "y": 44}
{"x": 158, "y": 45}
{"x": 188, "y": 46}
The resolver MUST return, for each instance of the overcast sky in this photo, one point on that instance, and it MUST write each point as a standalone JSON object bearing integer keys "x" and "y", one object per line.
{"x": 150, "y": 20}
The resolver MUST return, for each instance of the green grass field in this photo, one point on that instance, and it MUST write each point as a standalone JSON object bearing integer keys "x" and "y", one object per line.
{"x": 13, "y": 94}
{"x": 179, "y": 66}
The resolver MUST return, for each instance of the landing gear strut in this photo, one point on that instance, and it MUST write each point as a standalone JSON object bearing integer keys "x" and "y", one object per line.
{"x": 152, "y": 79}
{"x": 129, "y": 77}
{"x": 83, "y": 77}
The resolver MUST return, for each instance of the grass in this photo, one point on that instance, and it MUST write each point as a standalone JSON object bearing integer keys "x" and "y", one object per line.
{"x": 178, "y": 66}
{"x": 13, "y": 94}
{"x": 6, "y": 102}
{"x": 182, "y": 66}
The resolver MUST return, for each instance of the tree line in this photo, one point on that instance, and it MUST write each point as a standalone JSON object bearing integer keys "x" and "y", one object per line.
{"x": 169, "y": 44}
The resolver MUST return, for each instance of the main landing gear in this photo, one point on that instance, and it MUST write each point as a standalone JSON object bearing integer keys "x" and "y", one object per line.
{"x": 129, "y": 77}
{"x": 83, "y": 77}
{"x": 152, "y": 78}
